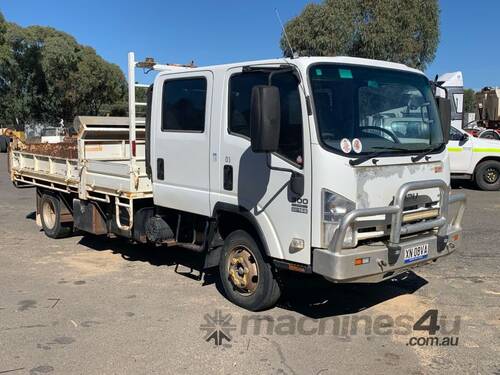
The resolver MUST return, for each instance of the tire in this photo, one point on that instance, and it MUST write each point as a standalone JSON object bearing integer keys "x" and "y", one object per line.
{"x": 255, "y": 293}
{"x": 487, "y": 175}
{"x": 50, "y": 213}
{"x": 4, "y": 144}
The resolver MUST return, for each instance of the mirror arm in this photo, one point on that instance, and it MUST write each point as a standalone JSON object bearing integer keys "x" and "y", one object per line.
{"x": 296, "y": 183}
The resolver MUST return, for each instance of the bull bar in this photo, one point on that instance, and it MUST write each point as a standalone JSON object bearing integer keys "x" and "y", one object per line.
{"x": 336, "y": 262}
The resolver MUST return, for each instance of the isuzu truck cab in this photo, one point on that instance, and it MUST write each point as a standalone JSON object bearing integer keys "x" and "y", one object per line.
{"x": 329, "y": 165}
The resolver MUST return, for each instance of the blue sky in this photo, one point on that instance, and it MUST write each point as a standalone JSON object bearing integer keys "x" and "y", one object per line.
{"x": 221, "y": 31}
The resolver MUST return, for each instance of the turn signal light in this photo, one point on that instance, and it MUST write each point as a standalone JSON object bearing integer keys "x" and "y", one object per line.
{"x": 360, "y": 261}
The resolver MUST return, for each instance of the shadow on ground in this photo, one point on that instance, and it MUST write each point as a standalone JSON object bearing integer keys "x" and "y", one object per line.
{"x": 154, "y": 255}
{"x": 309, "y": 295}
{"x": 464, "y": 184}
{"x": 315, "y": 297}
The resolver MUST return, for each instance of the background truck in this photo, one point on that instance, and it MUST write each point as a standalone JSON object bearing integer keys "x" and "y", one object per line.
{"x": 488, "y": 113}
{"x": 335, "y": 166}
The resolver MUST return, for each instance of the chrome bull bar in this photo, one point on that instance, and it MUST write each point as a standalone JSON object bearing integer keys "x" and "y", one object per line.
{"x": 396, "y": 212}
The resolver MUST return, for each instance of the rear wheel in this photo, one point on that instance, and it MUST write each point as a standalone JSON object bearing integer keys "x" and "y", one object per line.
{"x": 247, "y": 278}
{"x": 487, "y": 175}
{"x": 50, "y": 212}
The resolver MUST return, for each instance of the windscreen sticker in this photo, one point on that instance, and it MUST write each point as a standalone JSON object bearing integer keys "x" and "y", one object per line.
{"x": 357, "y": 146}
{"x": 319, "y": 72}
{"x": 345, "y": 145}
{"x": 345, "y": 73}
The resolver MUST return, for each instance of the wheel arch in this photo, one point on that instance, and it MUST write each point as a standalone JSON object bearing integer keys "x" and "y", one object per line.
{"x": 65, "y": 202}
{"x": 231, "y": 217}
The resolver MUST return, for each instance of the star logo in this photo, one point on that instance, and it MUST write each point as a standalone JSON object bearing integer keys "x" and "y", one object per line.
{"x": 218, "y": 327}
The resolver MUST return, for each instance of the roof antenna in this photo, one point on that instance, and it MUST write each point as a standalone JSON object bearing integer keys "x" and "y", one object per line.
{"x": 294, "y": 55}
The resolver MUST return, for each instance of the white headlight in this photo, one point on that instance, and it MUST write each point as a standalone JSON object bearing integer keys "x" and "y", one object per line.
{"x": 335, "y": 207}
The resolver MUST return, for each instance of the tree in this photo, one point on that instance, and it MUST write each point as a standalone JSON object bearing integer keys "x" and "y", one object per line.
{"x": 45, "y": 76}
{"x": 469, "y": 100}
{"x": 95, "y": 83}
{"x": 400, "y": 31}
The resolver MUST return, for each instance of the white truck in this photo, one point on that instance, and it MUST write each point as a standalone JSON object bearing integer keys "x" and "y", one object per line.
{"x": 264, "y": 166}
{"x": 471, "y": 158}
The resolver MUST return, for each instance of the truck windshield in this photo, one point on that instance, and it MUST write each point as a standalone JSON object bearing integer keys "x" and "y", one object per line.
{"x": 386, "y": 110}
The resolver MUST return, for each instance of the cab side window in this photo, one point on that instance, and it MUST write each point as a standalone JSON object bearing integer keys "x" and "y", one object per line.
{"x": 240, "y": 93}
{"x": 183, "y": 107}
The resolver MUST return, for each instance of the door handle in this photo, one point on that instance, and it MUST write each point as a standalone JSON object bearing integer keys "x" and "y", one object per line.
{"x": 228, "y": 177}
{"x": 160, "y": 169}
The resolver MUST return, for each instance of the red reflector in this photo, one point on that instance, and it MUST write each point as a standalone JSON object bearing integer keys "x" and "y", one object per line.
{"x": 133, "y": 149}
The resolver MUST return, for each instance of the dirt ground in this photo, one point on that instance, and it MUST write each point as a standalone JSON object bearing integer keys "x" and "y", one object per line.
{"x": 91, "y": 305}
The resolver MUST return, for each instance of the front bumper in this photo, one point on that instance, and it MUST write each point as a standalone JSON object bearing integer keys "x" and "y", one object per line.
{"x": 385, "y": 259}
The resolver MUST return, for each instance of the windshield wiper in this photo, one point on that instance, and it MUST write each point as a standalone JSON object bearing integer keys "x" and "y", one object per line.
{"x": 364, "y": 158}
{"x": 425, "y": 153}
{"x": 372, "y": 155}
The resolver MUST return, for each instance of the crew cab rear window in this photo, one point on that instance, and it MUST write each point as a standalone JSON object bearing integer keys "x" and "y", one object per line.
{"x": 183, "y": 105}
{"x": 240, "y": 93}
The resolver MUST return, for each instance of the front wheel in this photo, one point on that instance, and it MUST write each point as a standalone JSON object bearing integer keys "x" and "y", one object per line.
{"x": 247, "y": 278}
{"x": 487, "y": 175}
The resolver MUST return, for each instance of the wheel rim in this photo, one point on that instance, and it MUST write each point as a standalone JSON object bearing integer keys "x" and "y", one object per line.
{"x": 243, "y": 270}
{"x": 491, "y": 175}
{"x": 49, "y": 214}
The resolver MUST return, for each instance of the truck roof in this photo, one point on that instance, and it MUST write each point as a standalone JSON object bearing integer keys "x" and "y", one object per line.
{"x": 300, "y": 62}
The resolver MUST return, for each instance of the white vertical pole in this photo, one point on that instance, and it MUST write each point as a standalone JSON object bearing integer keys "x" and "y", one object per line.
{"x": 131, "y": 105}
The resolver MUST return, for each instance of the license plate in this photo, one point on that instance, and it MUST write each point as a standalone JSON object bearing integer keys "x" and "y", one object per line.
{"x": 411, "y": 254}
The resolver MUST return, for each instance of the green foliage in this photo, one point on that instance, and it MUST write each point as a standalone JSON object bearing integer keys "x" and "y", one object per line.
{"x": 469, "y": 100}
{"x": 394, "y": 30}
{"x": 45, "y": 75}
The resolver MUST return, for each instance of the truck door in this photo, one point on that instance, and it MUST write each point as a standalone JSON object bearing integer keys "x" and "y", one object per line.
{"x": 245, "y": 179}
{"x": 180, "y": 152}
{"x": 460, "y": 151}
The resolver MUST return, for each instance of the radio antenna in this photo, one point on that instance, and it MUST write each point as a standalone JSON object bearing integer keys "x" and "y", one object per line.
{"x": 286, "y": 35}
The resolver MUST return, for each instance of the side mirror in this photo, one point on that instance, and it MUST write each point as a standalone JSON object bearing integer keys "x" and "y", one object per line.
{"x": 465, "y": 137}
{"x": 444, "y": 108}
{"x": 265, "y": 113}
